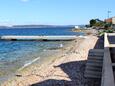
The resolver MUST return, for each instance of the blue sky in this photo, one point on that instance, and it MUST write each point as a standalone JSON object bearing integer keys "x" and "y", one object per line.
{"x": 57, "y": 12}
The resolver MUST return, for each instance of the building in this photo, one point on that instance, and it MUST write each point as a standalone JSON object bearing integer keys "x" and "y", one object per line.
{"x": 110, "y": 20}
{"x": 76, "y": 27}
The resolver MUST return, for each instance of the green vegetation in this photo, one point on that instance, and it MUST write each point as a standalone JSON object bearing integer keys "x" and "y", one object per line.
{"x": 92, "y": 22}
{"x": 101, "y": 33}
{"x": 108, "y": 26}
{"x": 102, "y": 26}
{"x": 96, "y": 23}
{"x": 100, "y": 23}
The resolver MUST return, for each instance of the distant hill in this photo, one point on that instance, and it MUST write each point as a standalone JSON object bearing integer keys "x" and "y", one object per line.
{"x": 1, "y": 27}
{"x": 37, "y": 26}
{"x": 31, "y": 26}
{"x": 40, "y": 26}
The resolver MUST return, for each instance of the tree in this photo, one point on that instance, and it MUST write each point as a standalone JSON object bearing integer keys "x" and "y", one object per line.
{"x": 92, "y": 22}
{"x": 96, "y": 23}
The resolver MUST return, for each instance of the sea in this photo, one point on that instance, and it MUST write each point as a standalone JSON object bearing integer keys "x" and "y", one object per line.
{"x": 15, "y": 55}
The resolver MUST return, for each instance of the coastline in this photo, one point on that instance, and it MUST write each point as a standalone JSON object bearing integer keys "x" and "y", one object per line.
{"x": 42, "y": 58}
{"x": 87, "y": 31}
{"x": 50, "y": 69}
{"x": 38, "y": 62}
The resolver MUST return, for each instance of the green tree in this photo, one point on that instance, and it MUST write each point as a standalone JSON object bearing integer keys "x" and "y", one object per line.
{"x": 92, "y": 22}
{"x": 96, "y": 23}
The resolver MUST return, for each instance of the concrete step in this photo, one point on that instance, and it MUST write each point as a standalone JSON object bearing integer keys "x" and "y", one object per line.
{"x": 97, "y": 50}
{"x": 92, "y": 74}
{"x": 96, "y": 54}
{"x": 99, "y": 69}
{"x": 95, "y": 57}
{"x": 94, "y": 61}
{"x": 94, "y": 64}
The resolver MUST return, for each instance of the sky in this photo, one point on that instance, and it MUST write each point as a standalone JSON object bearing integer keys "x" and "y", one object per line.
{"x": 54, "y": 12}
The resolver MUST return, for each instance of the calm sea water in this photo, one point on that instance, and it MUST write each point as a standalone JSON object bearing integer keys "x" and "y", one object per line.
{"x": 15, "y": 54}
{"x": 39, "y": 31}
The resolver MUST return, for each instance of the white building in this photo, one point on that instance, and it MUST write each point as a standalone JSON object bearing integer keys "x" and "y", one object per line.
{"x": 113, "y": 20}
{"x": 77, "y": 27}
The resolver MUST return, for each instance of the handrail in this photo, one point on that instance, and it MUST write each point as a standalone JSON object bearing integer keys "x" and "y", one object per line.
{"x": 111, "y": 45}
{"x": 106, "y": 42}
{"x": 107, "y": 71}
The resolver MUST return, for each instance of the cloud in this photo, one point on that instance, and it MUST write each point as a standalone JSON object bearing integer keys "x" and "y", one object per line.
{"x": 24, "y": 0}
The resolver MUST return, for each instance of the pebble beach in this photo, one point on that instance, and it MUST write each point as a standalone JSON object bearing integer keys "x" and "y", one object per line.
{"x": 67, "y": 69}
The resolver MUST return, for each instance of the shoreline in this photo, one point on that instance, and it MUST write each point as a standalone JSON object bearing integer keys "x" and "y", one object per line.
{"x": 39, "y": 73}
{"x": 87, "y": 31}
{"x": 39, "y": 60}
{"x": 44, "y": 60}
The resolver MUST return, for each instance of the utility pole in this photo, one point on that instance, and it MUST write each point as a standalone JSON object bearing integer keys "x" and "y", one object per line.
{"x": 108, "y": 12}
